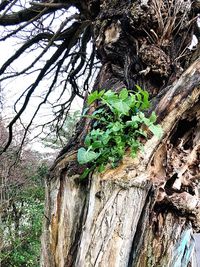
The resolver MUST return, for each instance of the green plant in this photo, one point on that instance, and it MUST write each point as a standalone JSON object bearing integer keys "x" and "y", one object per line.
{"x": 119, "y": 125}
{"x": 21, "y": 225}
{"x": 22, "y": 247}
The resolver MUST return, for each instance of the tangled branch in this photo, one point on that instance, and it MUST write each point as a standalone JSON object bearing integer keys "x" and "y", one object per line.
{"x": 62, "y": 40}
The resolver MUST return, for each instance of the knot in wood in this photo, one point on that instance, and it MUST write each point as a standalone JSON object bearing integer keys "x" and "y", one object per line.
{"x": 155, "y": 58}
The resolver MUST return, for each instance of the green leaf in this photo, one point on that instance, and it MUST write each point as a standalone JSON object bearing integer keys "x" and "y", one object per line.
{"x": 131, "y": 101}
{"x": 146, "y": 121}
{"x": 138, "y": 87}
{"x": 139, "y": 100}
{"x": 87, "y": 141}
{"x": 143, "y": 98}
{"x": 96, "y": 123}
{"x": 123, "y": 94}
{"x": 136, "y": 119}
{"x": 145, "y": 102}
{"x": 101, "y": 93}
{"x": 85, "y": 174}
{"x": 101, "y": 168}
{"x": 85, "y": 156}
{"x": 153, "y": 117}
{"x": 135, "y": 144}
{"x": 116, "y": 126}
{"x": 134, "y": 122}
{"x": 92, "y": 97}
{"x": 95, "y": 96}
{"x": 95, "y": 133}
{"x": 96, "y": 144}
{"x": 108, "y": 98}
{"x": 106, "y": 137}
{"x": 110, "y": 95}
{"x": 120, "y": 106}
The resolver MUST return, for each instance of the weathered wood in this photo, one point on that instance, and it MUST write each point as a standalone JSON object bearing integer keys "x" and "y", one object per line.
{"x": 96, "y": 222}
{"x": 143, "y": 212}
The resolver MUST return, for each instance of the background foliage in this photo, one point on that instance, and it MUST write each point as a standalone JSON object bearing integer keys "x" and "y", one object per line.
{"x": 22, "y": 182}
{"x": 22, "y": 176}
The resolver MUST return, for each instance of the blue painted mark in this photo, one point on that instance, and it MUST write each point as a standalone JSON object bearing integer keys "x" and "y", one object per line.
{"x": 183, "y": 249}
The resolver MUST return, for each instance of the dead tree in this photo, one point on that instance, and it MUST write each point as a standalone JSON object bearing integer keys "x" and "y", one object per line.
{"x": 142, "y": 213}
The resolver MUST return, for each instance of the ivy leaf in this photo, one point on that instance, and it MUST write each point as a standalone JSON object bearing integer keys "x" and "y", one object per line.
{"x": 123, "y": 94}
{"x": 101, "y": 168}
{"x": 116, "y": 126}
{"x": 145, "y": 102}
{"x": 131, "y": 101}
{"x": 153, "y": 117}
{"x": 135, "y": 144}
{"x": 138, "y": 87}
{"x": 121, "y": 107}
{"x": 85, "y": 174}
{"x": 108, "y": 99}
{"x": 139, "y": 100}
{"x": 92, "y": 97}
{"x": 106, "y": 137}
{"x": 143, "y": 98}
{"x": 87, "y": 141}
{"x": 110, "y": 95}
{"x": 95, "y": 96}
{"x": 95, "y": 133}
{"x": 134, "y": 122}
{"x": 96, "y": 144}
{"x": 146, "y": 121}
{"x": 85, "y": 156}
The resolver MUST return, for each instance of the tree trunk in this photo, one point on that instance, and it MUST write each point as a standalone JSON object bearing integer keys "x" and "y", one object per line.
{"x": 143, "y": 212}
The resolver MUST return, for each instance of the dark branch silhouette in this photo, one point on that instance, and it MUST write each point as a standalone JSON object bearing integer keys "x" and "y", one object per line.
{"x": 63, "y": 51}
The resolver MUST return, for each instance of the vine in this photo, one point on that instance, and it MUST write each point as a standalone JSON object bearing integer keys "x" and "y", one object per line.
{"x": 119, "y": 125}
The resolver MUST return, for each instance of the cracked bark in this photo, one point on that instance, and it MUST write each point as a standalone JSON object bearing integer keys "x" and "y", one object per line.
{"x": 142, "y": 213}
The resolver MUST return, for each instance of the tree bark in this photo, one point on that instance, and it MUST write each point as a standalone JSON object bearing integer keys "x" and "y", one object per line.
{"x": 142, "y": 213}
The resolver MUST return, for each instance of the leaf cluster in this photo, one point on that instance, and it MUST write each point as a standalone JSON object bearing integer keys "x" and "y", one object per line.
{"x": 119, "y": 125}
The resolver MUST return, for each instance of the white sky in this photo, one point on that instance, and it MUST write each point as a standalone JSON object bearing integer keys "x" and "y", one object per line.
{"x": 13, "y": 88}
